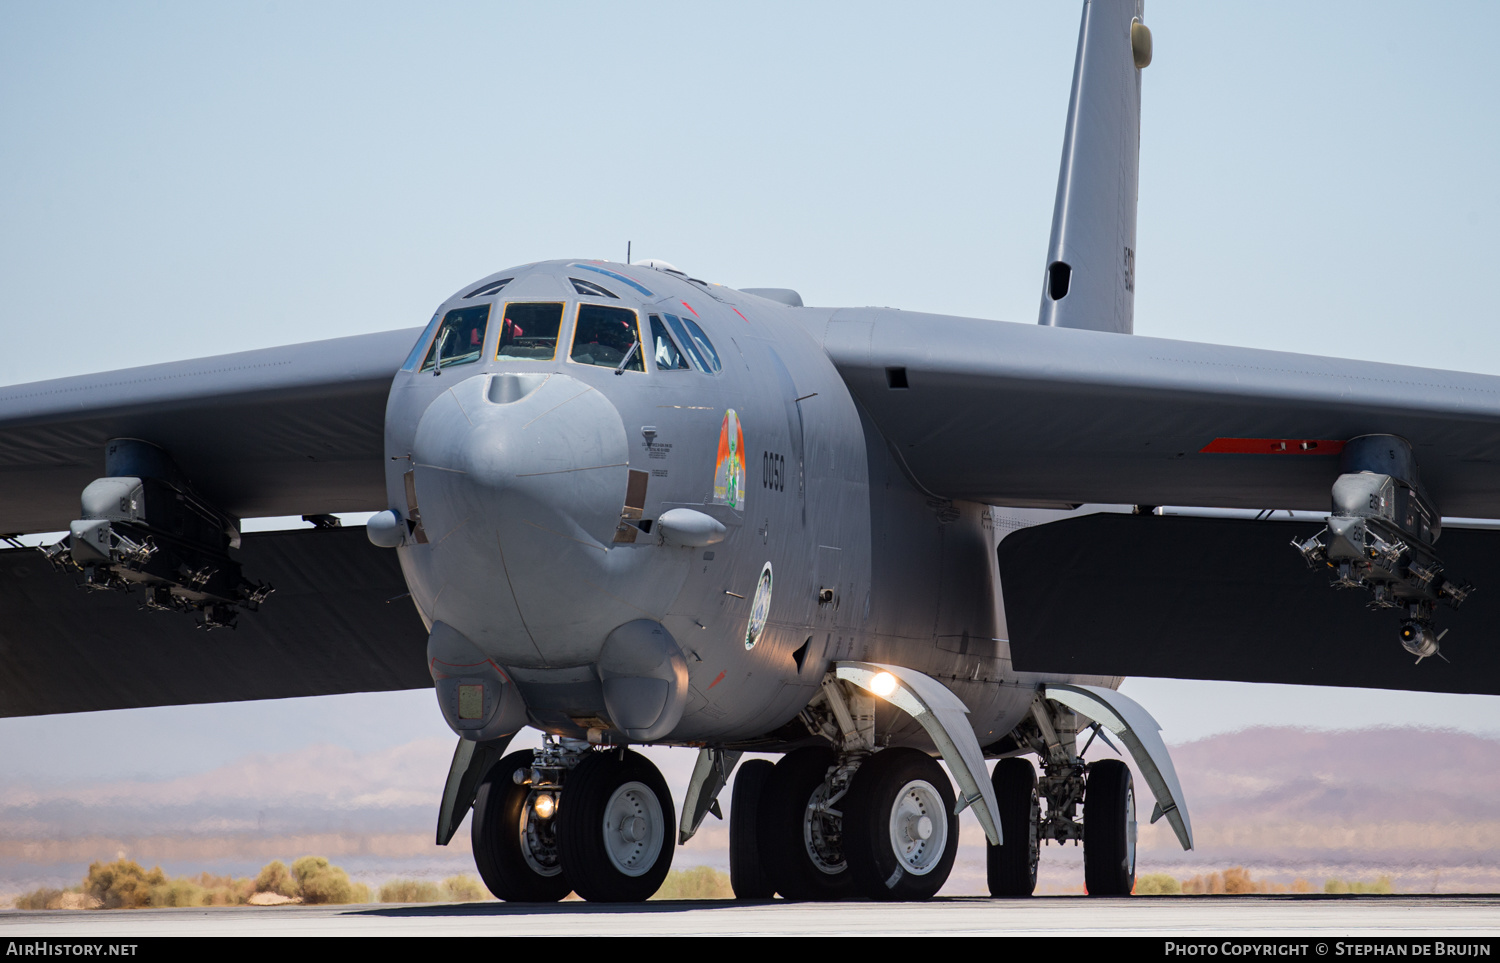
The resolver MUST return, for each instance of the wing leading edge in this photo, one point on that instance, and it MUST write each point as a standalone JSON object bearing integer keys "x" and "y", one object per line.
{"x": 281, "y": 431}
{"x": 1022, "y": 414}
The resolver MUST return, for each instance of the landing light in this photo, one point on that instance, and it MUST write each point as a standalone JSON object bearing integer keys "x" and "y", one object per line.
{"x": 883, "y": 684}
{"x": 545, "y": 805}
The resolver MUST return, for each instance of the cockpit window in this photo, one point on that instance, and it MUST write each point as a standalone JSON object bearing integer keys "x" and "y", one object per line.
{"x": 529, "y": 331}
{"x": 664, "y": 351}
{"x": 410, "y": 364}
{"x": 705, "y": 346}
{"x": 591, "y": 290}
{"x": 488, "y": 289}
{"x": 696, "y": 343}
{"x": 460, "y": 338}
{"x": 606, "y": 336}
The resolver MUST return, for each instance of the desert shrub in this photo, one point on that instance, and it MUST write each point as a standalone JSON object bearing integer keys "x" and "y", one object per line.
{"x": 700, "y": 882}
{"x": 1335, "y": 887}
{"x": 275, "y": 878}
{"x": 318, "y": 882}
{"x": 409, "y": 891}
{"x": 1157, "y": 884}
{"x": 464, "y": 889}
{"x": 1237, "y": 880}
{"x": 176, "y": 892}
{"x": 37, "y": 899}
{"x": 122, "y": 884}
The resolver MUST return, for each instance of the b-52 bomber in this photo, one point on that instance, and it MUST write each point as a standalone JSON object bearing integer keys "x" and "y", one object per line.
{"x": 625, "y": 506}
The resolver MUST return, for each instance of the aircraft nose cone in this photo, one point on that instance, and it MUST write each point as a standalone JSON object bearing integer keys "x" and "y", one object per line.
{"x": 520, "y": 479}
{"x": 544, "y": 450}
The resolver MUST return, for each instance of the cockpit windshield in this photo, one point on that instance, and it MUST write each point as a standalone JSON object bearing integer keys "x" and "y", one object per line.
{"x": 664, "y": 353}
{"x": 529, "y": 331}
{"x": 696, "y": 343}
{"x": 460, "y": 338}
{"x": 608, "y": 336}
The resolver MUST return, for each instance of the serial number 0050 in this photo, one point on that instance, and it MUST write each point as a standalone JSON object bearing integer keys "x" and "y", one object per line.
{"x": 772, "y": 471}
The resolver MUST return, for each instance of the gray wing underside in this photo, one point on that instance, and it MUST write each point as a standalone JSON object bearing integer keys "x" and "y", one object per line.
{"x": 339, "y": 621}
{"x": 282, "y": 431}
{"x": 1022, "y": 414}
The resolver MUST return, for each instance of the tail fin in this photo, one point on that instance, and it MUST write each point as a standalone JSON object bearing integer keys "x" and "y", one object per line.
{"x": 1090, "y": 280}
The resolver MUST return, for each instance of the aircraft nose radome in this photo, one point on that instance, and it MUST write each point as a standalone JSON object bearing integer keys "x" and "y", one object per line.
{"x": 521, "y": 480}
{"x": 544, "y": 453}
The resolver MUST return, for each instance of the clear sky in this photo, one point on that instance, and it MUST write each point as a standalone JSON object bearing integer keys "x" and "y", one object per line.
{"x": 184, "y": 179}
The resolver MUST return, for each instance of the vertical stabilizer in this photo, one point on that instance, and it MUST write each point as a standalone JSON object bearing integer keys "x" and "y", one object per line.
{"x": 1090, "y": 277}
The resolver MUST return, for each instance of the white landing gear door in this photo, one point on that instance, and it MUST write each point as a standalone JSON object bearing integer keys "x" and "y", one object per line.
{"x": 1130, "y": 721}
{"x": 944, "y": 716}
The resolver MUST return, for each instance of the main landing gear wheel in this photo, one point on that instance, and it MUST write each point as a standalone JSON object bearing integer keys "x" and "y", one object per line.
{"x": 801, "y": 849}
{"x": 1109, "y": 830}
{"x": 615, "y": 827}
{"x": 1011, "y": 866}
{"x": 747, "y": 872}
{"x": 900, "y": 831}
{"x": 515, "y": 850}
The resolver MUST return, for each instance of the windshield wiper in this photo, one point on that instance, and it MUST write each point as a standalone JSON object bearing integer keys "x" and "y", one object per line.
{"x": 628, "y": 355}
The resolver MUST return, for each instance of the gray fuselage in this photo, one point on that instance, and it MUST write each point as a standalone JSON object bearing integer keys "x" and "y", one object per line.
{"x": 536, "y": 479}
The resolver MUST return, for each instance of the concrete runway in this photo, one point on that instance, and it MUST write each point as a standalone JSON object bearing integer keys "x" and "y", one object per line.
{"x": 1317, "y": 917}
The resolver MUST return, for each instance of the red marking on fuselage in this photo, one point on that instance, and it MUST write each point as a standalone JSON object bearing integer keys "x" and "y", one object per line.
{"x": 690, "y": 308}
{"x": 737, "y": 311}
{"x": 1272, "y": 446}
{"x": 717, "y": 679}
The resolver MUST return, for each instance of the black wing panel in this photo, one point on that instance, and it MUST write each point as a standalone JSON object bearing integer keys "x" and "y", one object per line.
{"x": 339, "y": 621}
{"x": 1185, "y": 597}
{"x": 282, "y": 431}
{"x": 1022, "y": 414}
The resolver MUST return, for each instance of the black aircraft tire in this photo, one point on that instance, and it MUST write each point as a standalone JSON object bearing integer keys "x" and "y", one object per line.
{"x": 501, "y": 813}
{"x": 747, "y": 872}
{"x": 786, "y": 860}
{"x": 1011, "y": 866}
{"x": 896, "y": 796}
{"x": 616, "y": 828}
{"x": 1109, "y": 830}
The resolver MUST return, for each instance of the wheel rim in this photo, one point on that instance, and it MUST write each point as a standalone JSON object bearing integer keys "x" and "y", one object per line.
{"x": 918, "y": 827}
{"x": 539, "y": 841}
{"x": 634, "y": 829}
{"x": 1130, "y": 830}
{"x": 822, "y": 834}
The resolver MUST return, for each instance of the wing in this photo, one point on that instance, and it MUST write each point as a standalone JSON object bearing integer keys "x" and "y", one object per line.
{"x": 1183, "y": 597}
{"x": 339, "y": 621}
{"x": 282, "y": 431}
{"x": 1023, "y": 414}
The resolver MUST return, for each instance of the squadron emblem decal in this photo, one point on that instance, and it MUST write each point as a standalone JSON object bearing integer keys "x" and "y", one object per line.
{"x": 729, "y": 476}
{"x": 760, "y": 608}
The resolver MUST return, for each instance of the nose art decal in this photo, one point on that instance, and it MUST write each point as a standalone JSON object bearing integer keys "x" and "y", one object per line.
{"x": 729, "y": 477}
{"x": 760, "y": 608}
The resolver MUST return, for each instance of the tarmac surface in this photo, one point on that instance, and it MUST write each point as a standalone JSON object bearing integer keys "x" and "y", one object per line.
{"x": 1317, "y": 917}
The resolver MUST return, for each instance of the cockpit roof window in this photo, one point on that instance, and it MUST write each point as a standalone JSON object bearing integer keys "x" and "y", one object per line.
{"x": 608, "y": 337}
{"x": 591, "y": 290}
{"x": 460, "y": 339}
{"x": 488, "y": 289}
{"x": 529, "y": 331}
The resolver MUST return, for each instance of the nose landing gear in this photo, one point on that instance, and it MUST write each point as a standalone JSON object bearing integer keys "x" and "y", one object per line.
{"x": 567, "y": 819}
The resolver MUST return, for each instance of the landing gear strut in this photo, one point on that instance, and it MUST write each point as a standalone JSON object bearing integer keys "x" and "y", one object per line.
{"x": 515, "y": 846}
